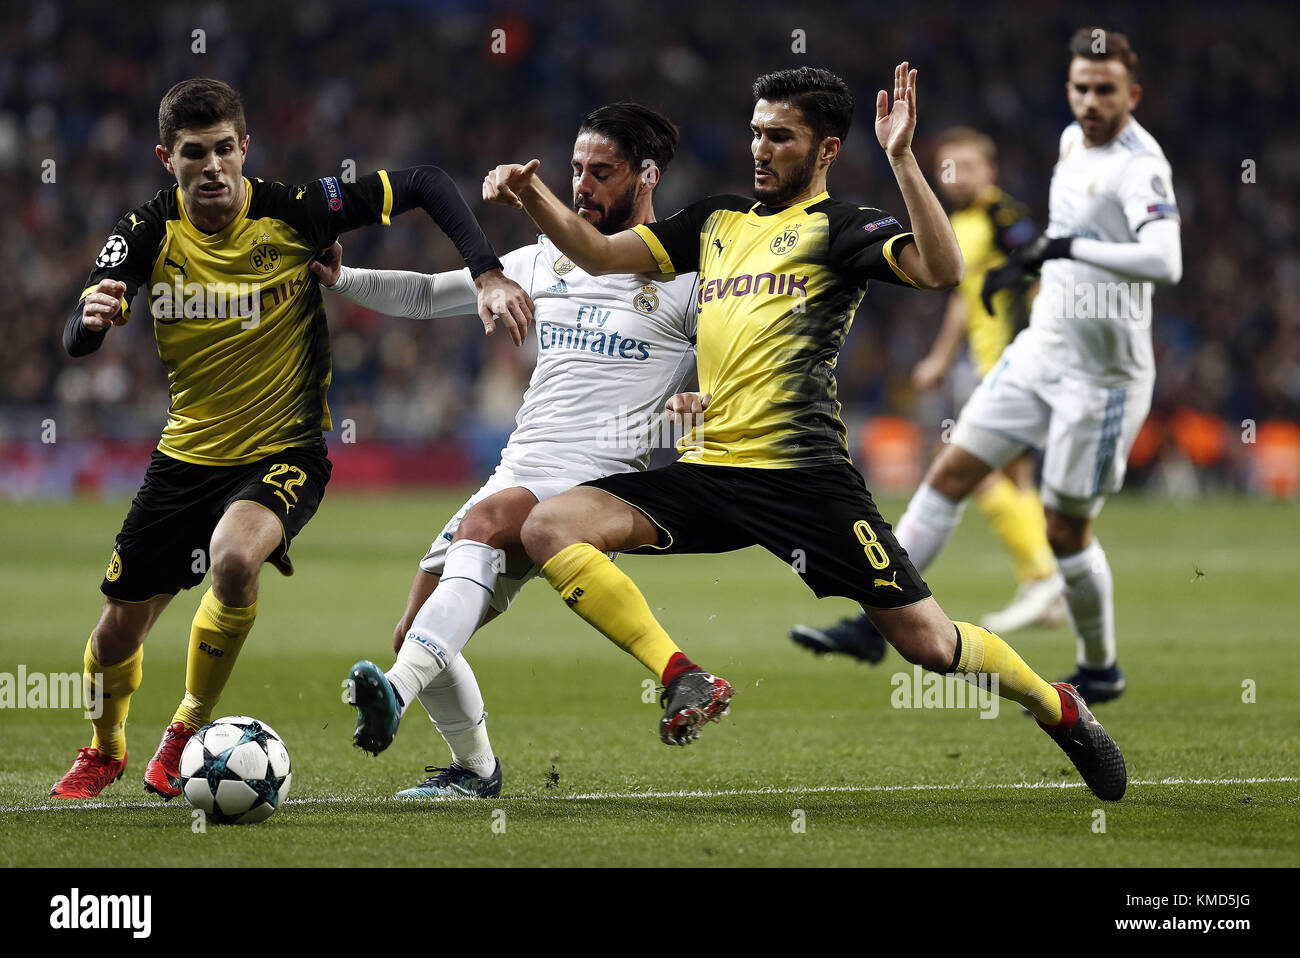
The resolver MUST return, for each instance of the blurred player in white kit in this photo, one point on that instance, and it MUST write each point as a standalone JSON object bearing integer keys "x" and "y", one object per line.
{"x": 1077, "y": 382}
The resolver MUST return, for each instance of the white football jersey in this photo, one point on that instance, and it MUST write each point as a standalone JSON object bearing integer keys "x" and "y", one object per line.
{"x": 1087, "y": 319}
{"x": 610, "y": 351}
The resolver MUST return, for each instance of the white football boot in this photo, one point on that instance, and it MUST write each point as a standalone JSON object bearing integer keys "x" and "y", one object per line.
{"x": 1039, "y": 602}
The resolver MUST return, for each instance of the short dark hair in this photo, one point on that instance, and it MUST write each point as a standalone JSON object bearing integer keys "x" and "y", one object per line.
{"x": 1094, "y": 43}
{"x": 197, "y": 103}
{"x": 822, "y": 97}
{"x": 642, "y": 133}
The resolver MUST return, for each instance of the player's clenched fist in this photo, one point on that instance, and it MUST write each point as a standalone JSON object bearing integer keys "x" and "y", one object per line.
{"x": 328, "y": 264}
{"x": 686, "y": 409}
{"x": 503, "y": 184}
{"x": 103, "y": 307}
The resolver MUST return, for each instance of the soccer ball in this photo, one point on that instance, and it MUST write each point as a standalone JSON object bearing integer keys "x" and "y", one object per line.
{"x": 235, "y": 770}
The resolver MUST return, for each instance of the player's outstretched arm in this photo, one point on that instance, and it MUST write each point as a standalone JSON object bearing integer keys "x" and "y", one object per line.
{"x": 933, "y": 260}
{"x": 400, "y": 292}
{"x": 514, "y": 184}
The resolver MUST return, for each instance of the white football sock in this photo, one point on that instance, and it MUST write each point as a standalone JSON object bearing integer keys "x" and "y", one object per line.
{"x": 455, "y": 706}
{"x": 1090, "y": 600}
{"x": 927, "y": 524}
{"x": 449, "y": 616}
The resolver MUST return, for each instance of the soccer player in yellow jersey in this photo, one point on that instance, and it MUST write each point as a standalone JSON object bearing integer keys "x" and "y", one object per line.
{"x": 241, "y": 466}
{"x": 988, "y": 224}
{"x": 781, "y": 275}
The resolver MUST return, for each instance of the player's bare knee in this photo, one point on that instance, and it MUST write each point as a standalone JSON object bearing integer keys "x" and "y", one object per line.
{"x": 1066, "y": 534}
{"x": 235, "y": 568}
{"x": 547, "y": 530}
{"x": 488, "y": 527}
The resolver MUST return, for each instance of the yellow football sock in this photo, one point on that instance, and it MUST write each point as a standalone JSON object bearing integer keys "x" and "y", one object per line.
{"x": 984, "y": 652}
{"x": 1017, "y": 520}
{"x": 592, "y": 586}
{"x": 216, "y": 637}
{"x": 108, "y": 691}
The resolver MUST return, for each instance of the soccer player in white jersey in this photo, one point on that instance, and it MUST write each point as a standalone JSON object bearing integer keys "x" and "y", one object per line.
{"x": 1077, "y": 382}
{"x": 610, "y": 351}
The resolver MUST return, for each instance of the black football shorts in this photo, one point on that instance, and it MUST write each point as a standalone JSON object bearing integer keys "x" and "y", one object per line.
{"x": 163, "y": 545}
{"x": 819, "y": 519}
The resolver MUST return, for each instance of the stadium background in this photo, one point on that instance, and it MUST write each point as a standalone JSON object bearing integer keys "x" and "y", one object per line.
{"x": 399, "y": 83}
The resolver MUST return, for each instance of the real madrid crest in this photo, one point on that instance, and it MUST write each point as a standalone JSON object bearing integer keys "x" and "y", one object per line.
{"x": 563, "y": 265}
{"x": 647, "y": 299}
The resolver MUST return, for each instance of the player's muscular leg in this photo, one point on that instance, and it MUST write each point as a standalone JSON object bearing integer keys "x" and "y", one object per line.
{"x": 122, "y": 628}
{"x": 498, "y": 520}
{"x": 921, "y": 633}
{"x": 584, "y": 514}
{"x": 244, "y": 538}
{"x": 421, "y": 588}
{"x": 1068, "y": 535}
{"x": 955, "y": 473}
{"x": 1021, "y": 471}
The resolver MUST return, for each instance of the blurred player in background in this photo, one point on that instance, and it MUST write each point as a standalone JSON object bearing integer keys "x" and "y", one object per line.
{"x": 781, "y": 276}
{"x": 241, "y": 466}
{"x": 988, "y": 224}
{"x": 610, "y": 351}
{"x": 1077, "y": 382}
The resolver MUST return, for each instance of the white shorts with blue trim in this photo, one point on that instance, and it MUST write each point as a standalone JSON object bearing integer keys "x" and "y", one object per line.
{"x": 1084, "y": 428}
{"x": 517, "y": 574}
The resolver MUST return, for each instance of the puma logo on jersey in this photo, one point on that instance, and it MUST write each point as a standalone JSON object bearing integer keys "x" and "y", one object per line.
{"x": 180, "y": 267}
{"x": 135, "y": 221}
{"x": 719, "y": 244}
{"x": 878, "y": 583}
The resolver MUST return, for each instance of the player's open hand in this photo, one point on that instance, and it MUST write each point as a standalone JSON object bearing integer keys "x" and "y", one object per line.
{"x": 504, "y": 183}
{"x": 103, "y": 306}
{"x": 503, "y": 300}
{"x": 894, "y": 127}
{"x": 328, "y": 264}
{"x": 687, "y": 409}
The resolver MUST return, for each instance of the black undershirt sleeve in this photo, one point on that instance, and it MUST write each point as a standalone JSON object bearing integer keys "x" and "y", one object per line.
{"x": 431, "y": 189}
{"x": 78, "y": 340}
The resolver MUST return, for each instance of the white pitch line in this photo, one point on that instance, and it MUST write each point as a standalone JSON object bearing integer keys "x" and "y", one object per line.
{"x": 701, "y": 793}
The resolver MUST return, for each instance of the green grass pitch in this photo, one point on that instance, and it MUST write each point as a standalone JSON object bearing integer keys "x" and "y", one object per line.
{"x": 812, "y": 767}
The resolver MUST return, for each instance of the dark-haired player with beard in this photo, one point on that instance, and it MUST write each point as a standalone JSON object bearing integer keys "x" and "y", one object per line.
{"x": 241, "y": 466}
{"x": 610, "y": 351}
{"x": 781, "y": 275}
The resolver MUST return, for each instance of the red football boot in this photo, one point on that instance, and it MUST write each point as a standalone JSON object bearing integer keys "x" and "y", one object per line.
{"x": 162, "y": 775}
{"x": 90, "y": 774}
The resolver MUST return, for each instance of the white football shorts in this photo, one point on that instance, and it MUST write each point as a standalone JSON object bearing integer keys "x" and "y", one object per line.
{"x": 516, "y": 575}
{"x": 1085, "y": 429}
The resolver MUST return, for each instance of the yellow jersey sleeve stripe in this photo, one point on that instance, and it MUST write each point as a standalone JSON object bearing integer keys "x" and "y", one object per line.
{"x": 656, "y": 248}
{"x": 125, "y": 306}
{"x": 893, "y": 263}
{"x": 386, "y": 213}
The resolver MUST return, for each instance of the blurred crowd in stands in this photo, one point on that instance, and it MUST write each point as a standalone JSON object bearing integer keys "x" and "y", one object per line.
{"x": 391, "y": 84}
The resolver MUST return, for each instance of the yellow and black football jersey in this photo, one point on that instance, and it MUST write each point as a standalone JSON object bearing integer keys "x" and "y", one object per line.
{"x": 777, "y": 292}
{"x": 986, "y": 231}
{"x": 238, "y": 315}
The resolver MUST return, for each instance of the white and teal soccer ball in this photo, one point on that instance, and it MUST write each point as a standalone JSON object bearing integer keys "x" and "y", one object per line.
{"x": 236, "y": 771}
